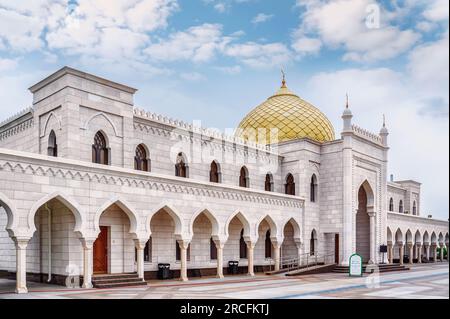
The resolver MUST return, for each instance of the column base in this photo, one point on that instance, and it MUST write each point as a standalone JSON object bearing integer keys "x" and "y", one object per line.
{"x": 220, "y": 276}
{"x": 21, "y": 290}
{"x": 87, "y": 286}
{"x": 184, "y": 279}
{"x": 251, "y": 274}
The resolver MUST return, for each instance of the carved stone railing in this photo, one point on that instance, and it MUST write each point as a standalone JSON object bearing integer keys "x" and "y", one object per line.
{"x": 375, "y": 138}
{"x": 141, "y": 113}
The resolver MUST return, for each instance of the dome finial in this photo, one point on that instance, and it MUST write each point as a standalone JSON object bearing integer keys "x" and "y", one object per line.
{"x": 346, "y": 102}
{"x": 283, "y": 81}
{"x": 384, "y": 120}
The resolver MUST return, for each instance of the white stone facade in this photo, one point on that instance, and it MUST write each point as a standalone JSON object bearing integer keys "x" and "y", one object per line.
{"x": 52, "y": 208}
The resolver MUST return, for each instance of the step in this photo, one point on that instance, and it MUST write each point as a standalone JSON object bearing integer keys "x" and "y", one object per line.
{"x": 112, "y": 281}
{"x": 324, "y": 268}
{"x": 120, "y": 284}
{"x": 285, "y": 270}
{"x": 115, "y": 276}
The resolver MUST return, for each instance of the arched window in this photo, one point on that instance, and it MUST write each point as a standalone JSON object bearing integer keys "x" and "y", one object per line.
{"x": 212, "y": 250}
{"x": 243, "y": 177}
{"x": 268, "y": 186}
{"x": 400, "y": 206}
{"x": 414, "y": 208}
{"x": 181, "y": 169}
{"x": 100, "y": 151}
{"x": 289, "y": 187}
{"x": 214, "y": 173}
{"x": 52, "y": 149}
{"x": 268, "y": 245}
{"x": 313, "y": 189}
{"x": 242, "y": 246}
{"x": 141, "y": 161}
{"x": 391, "y": 205}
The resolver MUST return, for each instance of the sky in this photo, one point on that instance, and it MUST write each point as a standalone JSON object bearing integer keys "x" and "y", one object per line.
{"x": 215, "y": 60}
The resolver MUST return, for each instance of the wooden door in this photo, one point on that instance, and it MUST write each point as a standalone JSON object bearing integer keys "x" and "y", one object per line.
{"x": 101, "y": 251}
{"x": 336, "y": 248}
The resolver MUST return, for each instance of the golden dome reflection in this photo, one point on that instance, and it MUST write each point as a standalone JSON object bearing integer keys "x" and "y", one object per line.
{"x": 287, "y": 115}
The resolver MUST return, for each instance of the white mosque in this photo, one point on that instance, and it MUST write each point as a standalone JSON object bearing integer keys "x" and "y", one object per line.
{"x": 95, "y": 188}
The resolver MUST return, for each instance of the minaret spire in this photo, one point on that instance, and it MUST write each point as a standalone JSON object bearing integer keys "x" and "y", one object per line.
{"x": 283, "y": 81}
{"x": 346, "y": 102}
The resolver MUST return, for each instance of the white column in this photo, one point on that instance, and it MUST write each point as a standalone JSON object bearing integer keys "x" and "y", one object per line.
{"x": 184, "y": 244}
{"x": 347, "y": 233}
{"x": 21, "y": 264}
{"x": 373, "y": 249}
{"x": 441, "y": 253}
{"x": 276, "y": 253}
{"x": 411, "y": 252}
{"x": 140, "y": 246}
{"x": 219, "y": 247}
{"x": 402, "y": 252}
{"x": 250, "y": 257}
{"x": 434, "y": 248}
{"x": 419, "y": 253}
{"x": 390, "y": 253}
{"x": 427, "y": 247}
{"x": 88, "y": 245}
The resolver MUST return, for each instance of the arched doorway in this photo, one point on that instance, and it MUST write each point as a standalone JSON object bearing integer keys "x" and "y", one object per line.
{"x": 236, "y": 249}
{"x": 362, "y": 220}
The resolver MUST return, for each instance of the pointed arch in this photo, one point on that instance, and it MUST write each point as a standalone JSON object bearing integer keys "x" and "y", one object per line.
{"x": 408, "y": 236}
{"x": 440, "y": 238}
{"x": 106, "y": 117}
{"x": 9, "y": 208}
{"x": 370, "y": 195}
{"x": 72, "y": 204}
{"x": 389, "y": 235}
{"x": 418, "y": 237}
{"x": 58, "y": 120}
{"x": 125, "y": 207}
{"x": 268, "y": 183}
{"x": 399, "y": 236}
{"x": 433, "y": 238}
{"x": 272, "y": 226}
{"x": 243, "y": 219}
{"x": 296, "y": 226}
{"x": 173, "y": 213}
{"x": 214, "y": 223}
{"x": 426, "y": 237}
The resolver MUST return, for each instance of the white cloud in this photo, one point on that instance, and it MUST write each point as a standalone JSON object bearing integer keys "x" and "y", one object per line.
{"x": 192, "y": 76}
{"x": 220, "y": 7}
{"x": 438, "y": 10}
{"x": 305, "y": 45}
{"x": 260, "y": 55}
{"x": 230, "y": 70}
{"x": 197, "y": 44}
{"x": 261, "y": 18}
{"x": 342, "y": 24}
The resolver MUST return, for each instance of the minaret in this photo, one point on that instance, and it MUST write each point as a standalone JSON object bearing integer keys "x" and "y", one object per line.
{"x": 384, "y": 133}
{"x": 347, "y": 117}
{"x": 347, "y": 186}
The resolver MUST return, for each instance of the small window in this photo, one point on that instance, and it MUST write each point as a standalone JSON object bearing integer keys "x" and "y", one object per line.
{"x": 52, "y": 149}
{"x": 141, "y": 161}
{"x": 313, "y": 189}
{"x": 148, "y": 251}
{"x": 400, "y": 206}
{"x": 180, "y": 166}
{"x": 212, "y": 249}
{"x": 268, "y": 187}
{"x": 312, "y": 244}
{"x": 391, "y": 205}
{"x": 290, "y": 185}
{"x": 268, "y": 245}
{"x": 243, "y": 178}
{"x": 214, "y": 173}
{"x": 100, "y": 151}
{"x": 242, "y": 246}
{"x": 414, "y": 208}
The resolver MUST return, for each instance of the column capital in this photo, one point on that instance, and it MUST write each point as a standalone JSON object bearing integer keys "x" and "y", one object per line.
{"x": 88, "y": 243}
{"x": 184, "y": 243}
{"x": 140, "y": 243}
{"x": 21, "y": 242}
{"x": 250, "y": 244}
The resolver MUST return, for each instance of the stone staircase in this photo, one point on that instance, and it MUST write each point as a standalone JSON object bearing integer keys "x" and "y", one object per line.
{"x": 382, "y": 268}
{"x": 117, "y": 280}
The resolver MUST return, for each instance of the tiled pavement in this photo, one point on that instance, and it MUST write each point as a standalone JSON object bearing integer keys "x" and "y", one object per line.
{"x": 423, "y": 281}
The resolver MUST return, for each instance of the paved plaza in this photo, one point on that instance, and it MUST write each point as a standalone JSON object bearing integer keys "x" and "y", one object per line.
{"x": 428, "y": 281}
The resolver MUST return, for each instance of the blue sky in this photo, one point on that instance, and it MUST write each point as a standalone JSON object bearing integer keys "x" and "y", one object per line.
{"x": 214, "y": 60}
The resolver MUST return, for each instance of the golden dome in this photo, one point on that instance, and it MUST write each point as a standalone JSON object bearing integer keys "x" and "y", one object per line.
{"x": 293, "y": 117}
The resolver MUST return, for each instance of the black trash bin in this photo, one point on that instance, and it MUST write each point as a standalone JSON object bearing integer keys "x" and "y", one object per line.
{"x": 163, "y": 271}
{"x": 233, "y": 267}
